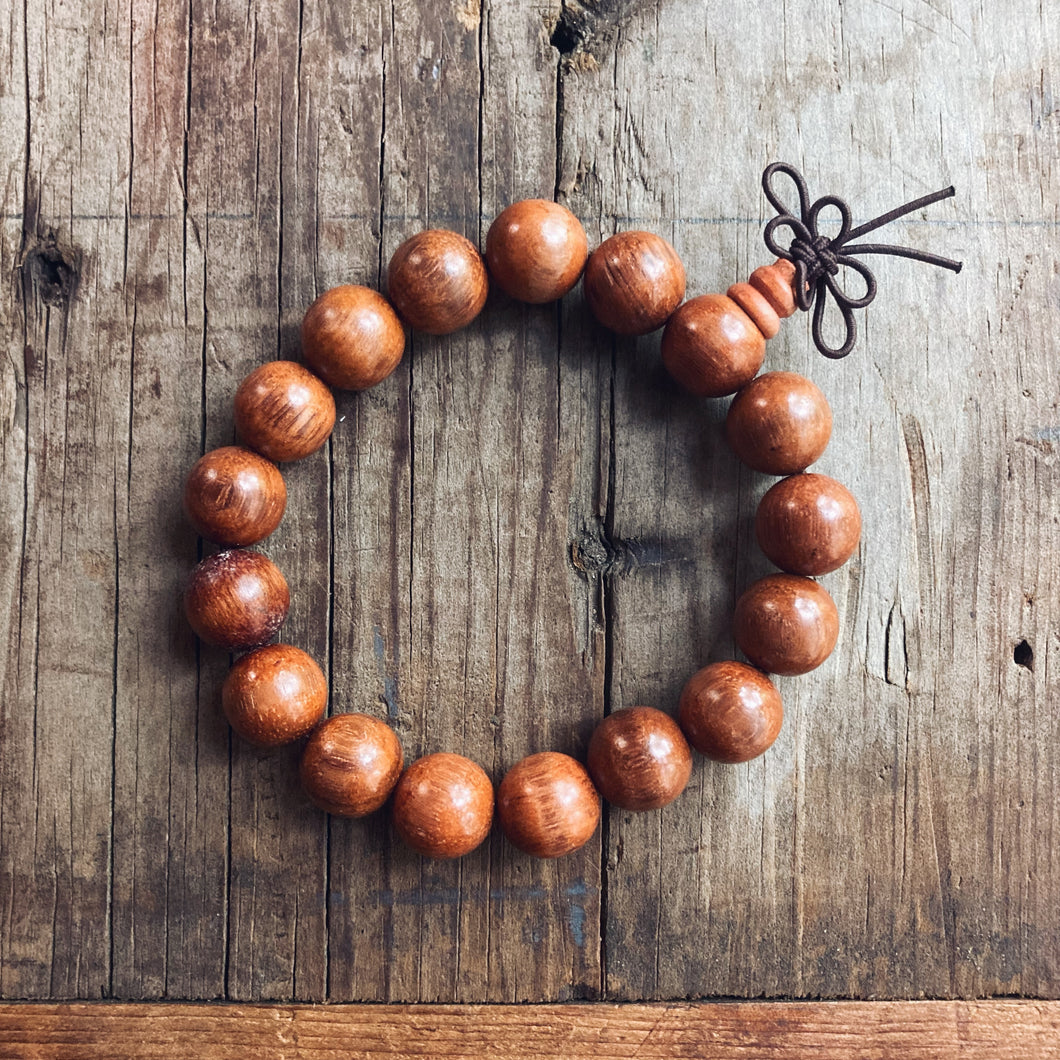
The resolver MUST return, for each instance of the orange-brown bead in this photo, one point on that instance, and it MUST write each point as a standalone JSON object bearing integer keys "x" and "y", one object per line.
{"x": 757, "y": 307}
{"x": 633, "y": 282}
{"x": 274, "y": 695}
{"x": 352, "y": 338}
{"x": 547, "y": 805}
{"x": 236, "y": 599}
{"x": 437, "y": 281}
{"x": 779, "y": 423}
{"x": 786, "y": 624}
{"x": 808, "y": 524}
{"x": 536, "y": 250}
{"x": 775, "y": 284}
{"x": 712, "y": 347}
{"x": 283, "y": 411}
{"x": 351, "y": 764}
{"x": 730, "y": 712}
{"x": 443, "y": 805}
{"x": 639, "y": 759}
{"x": 234, "y": 497}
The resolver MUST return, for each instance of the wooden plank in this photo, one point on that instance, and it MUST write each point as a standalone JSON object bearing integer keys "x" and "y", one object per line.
{"x": 991, "y": 1030}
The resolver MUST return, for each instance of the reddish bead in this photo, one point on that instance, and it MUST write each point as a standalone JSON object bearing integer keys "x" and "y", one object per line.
{"x": 786, "y": 624}
{"x": 547, "y": 805}
{"x": 443, "y": 805}
{"x": 284, "y": 411}
{"x": 774, "y": 282}
{"x": 232, "y": 496}
{"x": 779, "y": 423}
{"x": 633, "y": 282}
{"x": 808, "y": 524}
{"x": 757, "y": 307}
{"x": 731, "y": 712}
{"x": 639, "y": 758}
{"x": 351, "y": 764}
{"x": 437, "y": 281}
{"x": 712, "y": 347}
{"x": 352, "y": 338}
{"x": 274, "y": 695}
{"x": 536, "y": 250}
{"x": 236, "y": 599}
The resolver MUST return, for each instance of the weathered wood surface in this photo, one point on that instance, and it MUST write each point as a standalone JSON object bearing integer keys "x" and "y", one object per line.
{"x": 528, "y": 525}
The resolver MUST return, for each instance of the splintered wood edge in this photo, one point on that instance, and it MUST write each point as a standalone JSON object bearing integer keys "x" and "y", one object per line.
{"x": 888, "y": 1030}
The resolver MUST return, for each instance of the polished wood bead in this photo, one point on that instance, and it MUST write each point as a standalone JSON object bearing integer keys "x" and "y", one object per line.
{"x": 786, "y": 624}
{"x": 283, "y": 411}
{"x": 236, "y": 599}
{"x": 808, "y": 524}
{"x": 352, "y": 338}
{"x": 437, "y": 281}
{"x": 756, "y": 306}
{"x": 633, "y": 282}
{"x": 779, "y": 423}
{"x": 730, "y": 712}
{"x": 712, "y": 347}
{"x": 547, "y": 805}
{"x": 639, "y": 759}
{"x": 775, "y": 284}
{"x": 234, "y": 497}
{"x": 536, "y": 250}
{"x": 274, "y": 695}
{"x": 443, "y": 805}
{"x": 351, "y": 764}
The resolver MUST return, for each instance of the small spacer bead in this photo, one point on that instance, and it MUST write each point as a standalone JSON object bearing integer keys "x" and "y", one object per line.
{"x": 755, "y": 305}
{"x": 774, "y": 283}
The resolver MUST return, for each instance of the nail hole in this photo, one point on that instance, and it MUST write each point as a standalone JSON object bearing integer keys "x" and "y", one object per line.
{"x": 1024, "y": 655}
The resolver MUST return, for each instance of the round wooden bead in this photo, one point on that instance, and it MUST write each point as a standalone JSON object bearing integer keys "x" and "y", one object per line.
{"x": 786, "y": 624}
{"x": 352, "y": 338}
{"x": 547, "y": 805}
{"x": 284, "y": 411}
{"x": 233, "y": 497}
{"x": 236, "y": 599}
{"x": 712, "y": 347}
{"x": 351, "y": 764}
{"x": 536, "y": 250}
{"x": 808, "y": 524}
{"x": 774, "y": 282}
{"x": 633, "y": 282}
{"x": 443, "y": 805}
{"x": 779, "y": 423}
{"x": 437, "y": 281}
{"x": 639, "y": 758}
{"x": 730, "y": 712}
{"x": 274, "y": 695}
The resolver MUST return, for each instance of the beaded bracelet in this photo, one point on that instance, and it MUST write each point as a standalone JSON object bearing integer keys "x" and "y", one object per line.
{"x": 779, "y": 423}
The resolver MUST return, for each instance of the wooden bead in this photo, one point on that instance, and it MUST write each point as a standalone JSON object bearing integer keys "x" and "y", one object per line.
{"x": 633, "y": 282}
{"x": 547, "y": 805}
{"x": 536, "y": 250}
{"x": 786, "y": 624}
{"x": 779, "y": 423}
{"x": 774, "y": 282}
{"x": 283, "y": 411}
{"x": 712, "y": 347}
{"x": 236, "y": 599}
{"x": 437, "y": 281}
{"x": 351, "y": 764}
{"x": 754, "y": 304}
{"x": 731, "y": 712}
{"x": 639, "y": 758}
{"x": 443, "y": 805}
{"x": 808, "y": 524}
{"x": 234, "y": 497}
{"x": 352, "y": 338}
{"x": 274, "y": 695}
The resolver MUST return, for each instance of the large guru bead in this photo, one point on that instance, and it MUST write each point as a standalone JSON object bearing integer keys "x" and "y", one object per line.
{"x": 786, "y": 624}
{"x": 808, "y": 524}
{"x": 536, "y": 250}
{"x": 236, "y": 599}
{"x": 234, "y": 497}
{"x": 547, "y": 805}
{"x": 274, "y": 695}
{"x": 443, "y": 805}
